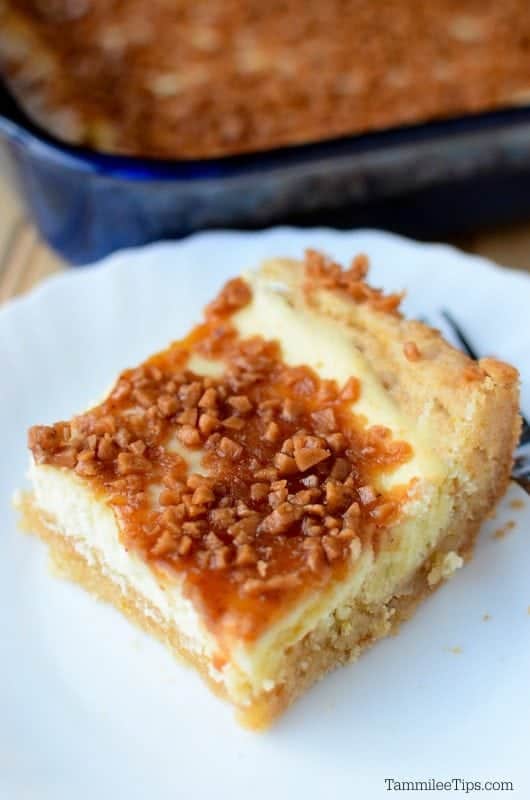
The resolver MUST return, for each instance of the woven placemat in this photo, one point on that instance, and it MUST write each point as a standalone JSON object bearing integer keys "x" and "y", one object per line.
{"x": 24, "y": 259}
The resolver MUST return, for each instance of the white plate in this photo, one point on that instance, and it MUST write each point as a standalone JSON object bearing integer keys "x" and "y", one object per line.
{"x": 91, "y": 708}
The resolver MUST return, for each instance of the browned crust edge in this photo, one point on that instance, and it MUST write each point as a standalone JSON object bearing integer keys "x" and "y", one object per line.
{"x": 349, "y": 638}
{"x": 68, "y": 563}
{"x": 305, "y": 663}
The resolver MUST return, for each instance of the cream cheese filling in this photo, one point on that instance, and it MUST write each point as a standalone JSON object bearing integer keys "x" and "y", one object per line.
{"x": 92, "y": 528}
{"x": 311, "y": 338}
{"x": 91, "y": 525}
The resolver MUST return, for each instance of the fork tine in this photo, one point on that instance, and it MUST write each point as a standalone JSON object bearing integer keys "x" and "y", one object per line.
{"x": 464, "y": 343}
{"x": 459, "y": 334}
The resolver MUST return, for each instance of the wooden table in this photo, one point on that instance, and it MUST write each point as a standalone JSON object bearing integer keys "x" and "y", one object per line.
{"x": 25, "y": 260}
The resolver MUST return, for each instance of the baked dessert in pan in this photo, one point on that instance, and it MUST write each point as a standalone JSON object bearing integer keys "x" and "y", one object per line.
{"x": 201, "y": 79}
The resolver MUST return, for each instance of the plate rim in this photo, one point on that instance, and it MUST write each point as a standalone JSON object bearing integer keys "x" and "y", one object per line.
{"x": 114, "y": 261}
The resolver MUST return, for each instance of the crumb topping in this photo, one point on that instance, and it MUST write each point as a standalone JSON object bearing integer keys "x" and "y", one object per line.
{"x": 284, "y": 497}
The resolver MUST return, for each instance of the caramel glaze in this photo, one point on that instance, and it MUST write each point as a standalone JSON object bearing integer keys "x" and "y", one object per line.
{"x": 285, "y": 502}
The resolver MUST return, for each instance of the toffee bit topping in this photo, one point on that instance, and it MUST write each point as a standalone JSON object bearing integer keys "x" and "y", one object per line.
{"x": 411, "y": 351}
{"x": 208, "y": 424}
{"x": 246, "y": 556}
{"x": 189, "y": 436}
{"x": 240, "y": 403}
{"x": 235, "y": 295}
{"x": 307, "y": 457}
{"x": 322, "y": 272}
{"x": 184, "y": 545}
{"x": 286, "y": 465}
{"x": 165, "y": 544}
{"x": 229, "y": 449}
{"x": 272, "y": 432}
{"x": 366, "y": 495}
{"x": 324, "y": 420}
{"x": 208, "y": 399}
{"x": 278, "y": 583}
{"x": 283, "y": 497}
{"x": 351, "y": 390}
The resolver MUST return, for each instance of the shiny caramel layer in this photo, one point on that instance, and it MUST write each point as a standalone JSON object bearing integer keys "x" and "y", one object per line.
{"x": 255, "y": 482}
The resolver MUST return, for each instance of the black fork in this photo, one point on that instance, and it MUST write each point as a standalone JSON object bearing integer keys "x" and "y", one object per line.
{"x": 521, "y": 466}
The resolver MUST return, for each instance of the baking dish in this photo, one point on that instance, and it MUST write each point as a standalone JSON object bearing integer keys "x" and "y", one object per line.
{"x": 426, "y": 180}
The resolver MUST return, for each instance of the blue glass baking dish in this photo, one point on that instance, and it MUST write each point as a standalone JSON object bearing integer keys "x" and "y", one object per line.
{"x": 426, "y": 180}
